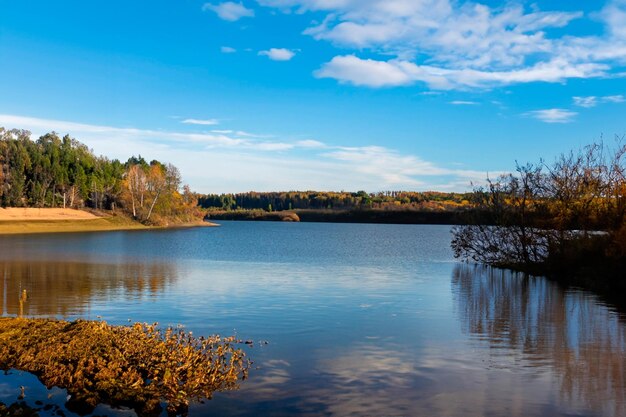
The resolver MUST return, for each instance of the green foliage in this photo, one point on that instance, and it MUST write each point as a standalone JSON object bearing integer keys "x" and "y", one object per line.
{"x": 51, "y": 172}
{"x": 62, "y": 172}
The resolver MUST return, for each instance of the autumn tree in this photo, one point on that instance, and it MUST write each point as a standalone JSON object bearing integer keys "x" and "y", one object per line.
{"x": 151, "y": 188}
{"x": 135, "y": 184}
{"x": 551, "y": 216}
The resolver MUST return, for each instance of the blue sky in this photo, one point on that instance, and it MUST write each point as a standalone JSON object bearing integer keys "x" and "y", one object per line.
{"x": 318, "y": 94}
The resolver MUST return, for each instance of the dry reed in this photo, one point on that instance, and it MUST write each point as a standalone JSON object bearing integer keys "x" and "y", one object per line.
{"x": 138, "y": 366}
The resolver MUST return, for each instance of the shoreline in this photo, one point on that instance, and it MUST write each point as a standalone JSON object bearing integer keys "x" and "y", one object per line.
{"x": 364, "y": 216}
{"x": 21, "y": 221}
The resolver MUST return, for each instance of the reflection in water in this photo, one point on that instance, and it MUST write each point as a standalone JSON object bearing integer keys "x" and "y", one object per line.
{"x": 360, "y": 319}
{"x": 68, "y": 288}
{"x": 359, "y": 380}
{"x": 372, "y": 380}
{"x": 570, "y": 332}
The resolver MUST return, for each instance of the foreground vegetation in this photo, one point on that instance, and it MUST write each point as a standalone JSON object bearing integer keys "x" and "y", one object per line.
{"x": 62, "y": 172}
{"x": 566, "y": 219}
{"x": 137, "y": 366}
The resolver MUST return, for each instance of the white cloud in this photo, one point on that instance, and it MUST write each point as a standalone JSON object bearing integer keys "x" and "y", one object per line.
{"x": 614, "y": 14}
{"x": 553, "y": 115}
{"x": 227, "y": 50}
{"x": 229, "y": 10}
{"x": 364, "y": 72}
{"x": 371, "y": 73}
{"x": 451, "y": 44}
{"x": 223, "y": 161}
{"x": 205, "y": 122}
{"x": 278, "y": 54}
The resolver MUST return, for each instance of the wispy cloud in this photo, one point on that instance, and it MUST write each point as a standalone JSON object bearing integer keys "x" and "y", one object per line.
{"x": 408, "y": 169}
{"x": 312, "y": 144}
{"x": 203, "y": 122}
{"x": 245, "y": 134}
{"x": 464, "y": 103}
{"x": 278, "y": 54}
{"x": 593, "y": 101}
{"x": 553, "y": 115}
{"x": 240, "y": 133}
{"x": 228, "y": 50}
{"x": 229, "y": 10}
{"x": 225, "y": 161}
{"x": 461, "y": 44}
{"x": 588, "y": 102}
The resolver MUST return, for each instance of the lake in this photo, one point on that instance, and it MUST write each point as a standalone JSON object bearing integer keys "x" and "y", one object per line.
{"x": 347, "y": 319}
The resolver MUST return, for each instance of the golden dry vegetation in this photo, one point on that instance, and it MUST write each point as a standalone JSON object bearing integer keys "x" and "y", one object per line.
{"x": 29, "y": 213}
{"x": 138, "y": 366}
{"x": 95, "y": 224}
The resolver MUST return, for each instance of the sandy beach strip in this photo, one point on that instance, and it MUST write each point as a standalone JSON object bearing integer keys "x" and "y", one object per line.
{"x": 22, "y": 214}
{"x": 17, "y": 220}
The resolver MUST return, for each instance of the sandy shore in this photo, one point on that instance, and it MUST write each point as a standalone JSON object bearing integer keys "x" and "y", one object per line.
{"x": 20, "y": 213}
{"x": 57, "y": 220}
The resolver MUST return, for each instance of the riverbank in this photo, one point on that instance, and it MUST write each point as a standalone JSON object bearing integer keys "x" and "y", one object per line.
{"x": 57, "y": 220}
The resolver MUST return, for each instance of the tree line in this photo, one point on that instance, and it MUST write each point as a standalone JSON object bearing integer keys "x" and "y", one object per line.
{"x": 62, "y": 172}
{"x": 315, "y": 200}
{"x": 560, "y": 217}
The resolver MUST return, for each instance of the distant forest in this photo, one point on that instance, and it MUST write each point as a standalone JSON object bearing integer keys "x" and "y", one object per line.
{"x": 314, "y": 200}
{"x": 62, "y": 172}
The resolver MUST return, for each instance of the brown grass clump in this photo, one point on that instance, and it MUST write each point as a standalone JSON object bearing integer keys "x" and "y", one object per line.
{"x": 137, "y": 366}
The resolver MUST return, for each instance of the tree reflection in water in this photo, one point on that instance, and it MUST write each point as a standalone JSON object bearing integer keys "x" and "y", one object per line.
{"x": 68, "y": 288}
{"x": 571, "y": 332}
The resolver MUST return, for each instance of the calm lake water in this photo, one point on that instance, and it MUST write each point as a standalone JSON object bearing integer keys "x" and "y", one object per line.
{"x": 360, "y": 320}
